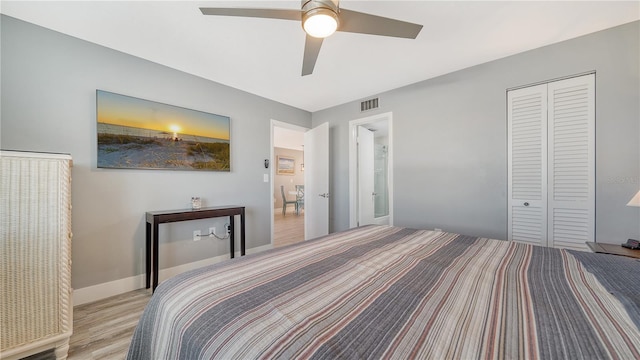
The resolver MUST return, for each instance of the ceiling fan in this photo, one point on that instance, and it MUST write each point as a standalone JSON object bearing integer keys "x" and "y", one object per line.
{"x": 321, "y": 18}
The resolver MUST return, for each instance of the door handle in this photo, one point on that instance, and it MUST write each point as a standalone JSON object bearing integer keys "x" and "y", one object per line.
{"x": 325, "y": 195}
{"x": 526, "y": 204}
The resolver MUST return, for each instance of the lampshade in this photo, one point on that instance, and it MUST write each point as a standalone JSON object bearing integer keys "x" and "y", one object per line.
{"x": 320, "y": 22}
{"x": 635, "y": 201}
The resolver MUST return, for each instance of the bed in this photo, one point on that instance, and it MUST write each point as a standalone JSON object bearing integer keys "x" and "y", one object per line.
{"x": 390, "y": 292}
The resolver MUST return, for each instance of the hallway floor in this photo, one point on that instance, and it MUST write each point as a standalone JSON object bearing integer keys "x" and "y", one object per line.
{"x": 287, "y": 229}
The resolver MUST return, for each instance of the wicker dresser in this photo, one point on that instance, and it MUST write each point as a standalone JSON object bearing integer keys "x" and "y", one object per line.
{"x": 35, "y": 254}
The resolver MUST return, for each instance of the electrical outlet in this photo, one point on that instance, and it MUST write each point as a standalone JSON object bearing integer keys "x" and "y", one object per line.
{"x": 212, "y": 231}
{"x": 228, "y": 229}
{"x": 196, "y": 235}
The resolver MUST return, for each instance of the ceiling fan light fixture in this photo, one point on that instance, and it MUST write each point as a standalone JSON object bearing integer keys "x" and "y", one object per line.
{"x": 321, "y": 18}
{"x": 320, "y": 23}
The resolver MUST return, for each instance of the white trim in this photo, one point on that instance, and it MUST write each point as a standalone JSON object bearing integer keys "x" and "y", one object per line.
{"x": 353, "y": 164}
{"x": 272, "y": 157}
{"x": 552, "y": 80}
{"x": 102, "y": 291}
{"x": 33, "y": 154}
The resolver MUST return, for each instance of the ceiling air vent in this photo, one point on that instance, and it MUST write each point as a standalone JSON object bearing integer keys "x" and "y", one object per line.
{"x": 369, "y": 104}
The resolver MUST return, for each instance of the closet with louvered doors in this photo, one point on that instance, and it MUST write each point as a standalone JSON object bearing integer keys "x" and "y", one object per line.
{"x": 551, "y": 163}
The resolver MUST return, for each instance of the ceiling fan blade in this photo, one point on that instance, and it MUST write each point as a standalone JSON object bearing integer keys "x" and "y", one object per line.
{"x": 311, "y": 50}
{"x": 284, "y": 14}
{"x": 357, "y": 22}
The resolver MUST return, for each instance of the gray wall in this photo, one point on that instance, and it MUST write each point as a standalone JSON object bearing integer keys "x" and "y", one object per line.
{"x": 450, "y": 138}
{"x": 289, "y": 181}
{"x": 48, "y": 104}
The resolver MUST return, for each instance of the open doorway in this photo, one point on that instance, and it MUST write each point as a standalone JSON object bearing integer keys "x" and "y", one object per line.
{"x": 370, "y": 170}
{"x": 287, "y": 173}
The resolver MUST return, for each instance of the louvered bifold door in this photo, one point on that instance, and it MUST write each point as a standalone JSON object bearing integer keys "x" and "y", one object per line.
{"x": 527, "y": 162}
{"x": 572, "y": 162}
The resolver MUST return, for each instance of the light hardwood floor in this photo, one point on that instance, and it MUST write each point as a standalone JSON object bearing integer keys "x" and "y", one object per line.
{"x": 102, "y": 330}
{"x": 287, "y": 229}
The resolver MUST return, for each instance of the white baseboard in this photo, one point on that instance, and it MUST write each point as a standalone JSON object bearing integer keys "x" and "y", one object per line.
{"x": 102, "y": 291}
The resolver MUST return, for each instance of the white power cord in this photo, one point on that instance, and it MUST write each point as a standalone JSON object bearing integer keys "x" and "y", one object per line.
{"x": 226, "y": 226}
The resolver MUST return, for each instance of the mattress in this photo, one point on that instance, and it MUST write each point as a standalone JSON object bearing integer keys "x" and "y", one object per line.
{"x": 389, "y": 292}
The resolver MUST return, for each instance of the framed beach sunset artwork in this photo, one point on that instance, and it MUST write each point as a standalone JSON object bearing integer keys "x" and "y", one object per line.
{"x": 135, "y": 133}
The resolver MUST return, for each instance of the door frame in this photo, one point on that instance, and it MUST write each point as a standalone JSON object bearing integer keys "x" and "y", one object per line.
{"x": 272, "y": 162}
{"x": 353, "y": 163}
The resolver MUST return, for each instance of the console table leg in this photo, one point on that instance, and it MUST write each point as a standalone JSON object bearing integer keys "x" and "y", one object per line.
{"x": 232, "y": 237}
{"x": 148, "y": 254}
{"x": 242, "y": 244}
{"x": 155, "y": 256}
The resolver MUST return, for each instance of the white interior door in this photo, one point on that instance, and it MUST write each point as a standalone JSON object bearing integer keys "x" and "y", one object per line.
{"x": 571, "y": 150}
{"x": 316, "y": 182}
{"x": 366, "y": 175}
{"x": 527, "y": 165}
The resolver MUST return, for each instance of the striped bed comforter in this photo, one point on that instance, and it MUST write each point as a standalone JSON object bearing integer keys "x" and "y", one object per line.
{"x": 389, "y": 292}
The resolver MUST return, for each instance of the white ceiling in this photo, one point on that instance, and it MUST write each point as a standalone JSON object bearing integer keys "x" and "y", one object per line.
{"x": 288, "y": 139}
{"x": 264, "y": 56}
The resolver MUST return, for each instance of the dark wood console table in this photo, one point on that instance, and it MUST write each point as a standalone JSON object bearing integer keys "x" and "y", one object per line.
{"x": 155, "y": 218}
